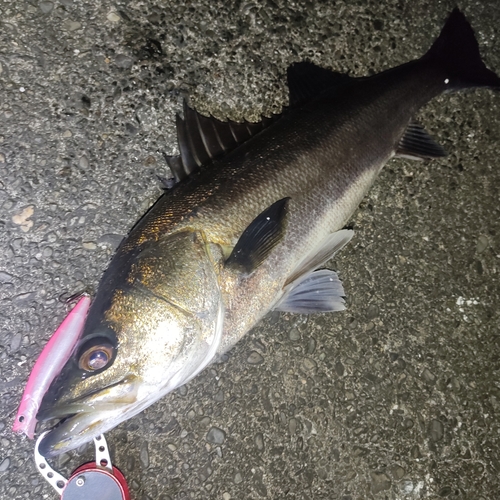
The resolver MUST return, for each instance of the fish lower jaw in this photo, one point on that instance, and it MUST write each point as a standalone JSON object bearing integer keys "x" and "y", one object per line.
{"x": 76, "y": 430}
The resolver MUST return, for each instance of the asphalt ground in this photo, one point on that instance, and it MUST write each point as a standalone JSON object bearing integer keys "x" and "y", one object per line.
{"x": 396, "y": 398}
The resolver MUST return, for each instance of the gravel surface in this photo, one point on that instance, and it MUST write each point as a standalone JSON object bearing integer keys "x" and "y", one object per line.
{"x": 396, "y": 398}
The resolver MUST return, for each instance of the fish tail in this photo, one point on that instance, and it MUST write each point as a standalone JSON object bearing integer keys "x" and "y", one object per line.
{"x": 456, "y": 53}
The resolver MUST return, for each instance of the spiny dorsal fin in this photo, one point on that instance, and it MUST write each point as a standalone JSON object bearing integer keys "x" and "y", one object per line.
{"x": 202, "y": 139}
{"x": 306, "y": 81}
{"x": 259, "y": 238}
{"x": 417, "y": 144}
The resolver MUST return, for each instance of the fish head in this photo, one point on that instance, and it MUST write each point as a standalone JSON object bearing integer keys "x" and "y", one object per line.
{"x": 158, "y": 326}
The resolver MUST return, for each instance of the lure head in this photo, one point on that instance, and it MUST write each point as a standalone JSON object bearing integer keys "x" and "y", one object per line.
{"x": 50, "y": 362}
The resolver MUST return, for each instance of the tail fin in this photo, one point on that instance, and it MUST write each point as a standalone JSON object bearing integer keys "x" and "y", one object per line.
{"x": 456, "y": 52}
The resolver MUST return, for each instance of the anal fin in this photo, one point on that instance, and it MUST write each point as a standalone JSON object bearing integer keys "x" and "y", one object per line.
{"x": 320, "y": 254}
{"x": 317, "y": 292}
{"x": 417, "y": 144}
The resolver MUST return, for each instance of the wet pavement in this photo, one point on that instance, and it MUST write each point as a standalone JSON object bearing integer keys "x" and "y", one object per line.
{"x": 396, "y": 398}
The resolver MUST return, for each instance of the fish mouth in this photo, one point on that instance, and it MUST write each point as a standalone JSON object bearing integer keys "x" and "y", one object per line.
{"x": 75, "y": 430}
{"x": 78, "y": 421}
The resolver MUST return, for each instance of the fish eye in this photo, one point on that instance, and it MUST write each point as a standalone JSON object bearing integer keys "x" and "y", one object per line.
{"x": 95, "y": 357}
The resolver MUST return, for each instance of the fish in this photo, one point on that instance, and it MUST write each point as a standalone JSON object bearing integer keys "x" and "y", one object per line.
{"x": 256, "y": 211}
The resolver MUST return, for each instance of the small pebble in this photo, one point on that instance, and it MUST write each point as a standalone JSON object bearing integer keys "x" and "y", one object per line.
{"x": 144, "y": 455}
{"x": 84, "y": 162}
{"x": 46, "y": 7}
{"x": 5, "y": 464}
{"x": 205, "y": 421}
{"x": 216, "y": 436}
{"x": 482, "y": 244}
{"x": 309, "y": 364}
{"x": 15, "y": 342}
{"x": 372, "y": 311}
{"x": 428, "y": 376}
{"x": 123, "y": 61}
{"x": 22, "y": 218}
{"x": 408, "y": 423}
{"x": 415, "y": 452}
{"x": 254, "y": 358}
{"x": 5, "y": 277}
{"x": 436, "y": 430}
{"x": 380, "y": 482}
{"x": 445, "y": 491}
{"x": 219, "y": 396}
{"x": 131, "y": 129}
{"x": 398, "y": 472}
{"x": 72, "y": 25}
{"x": 258, "y": 483}
{"x": 47, "y": 252}
{"x": 259, "y": 441}
{"x": 23, "y": 299}
{"x": 294, "y": 334}
{"x": 311, "y": 346}
{"x": 67, "y": 133}
{"x": 113, "y": 17}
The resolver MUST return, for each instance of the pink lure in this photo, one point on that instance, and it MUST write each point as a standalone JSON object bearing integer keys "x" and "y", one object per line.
{"x": 48, "y": 365}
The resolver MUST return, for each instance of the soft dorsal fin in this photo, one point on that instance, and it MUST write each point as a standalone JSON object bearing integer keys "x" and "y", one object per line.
{"x": 417, "y": 144}
{"x": 202, "y": 139}
{"x": 259, "y": 238}
{"x": 306, "y": 81}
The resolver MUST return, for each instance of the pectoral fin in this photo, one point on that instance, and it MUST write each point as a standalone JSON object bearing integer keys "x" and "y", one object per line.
{"x": 319, "y": 291}
{"x": 259, "y": 238}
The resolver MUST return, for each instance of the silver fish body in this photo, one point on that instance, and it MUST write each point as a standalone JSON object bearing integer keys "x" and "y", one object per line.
{"x": 246, "y": 232}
